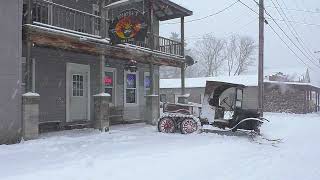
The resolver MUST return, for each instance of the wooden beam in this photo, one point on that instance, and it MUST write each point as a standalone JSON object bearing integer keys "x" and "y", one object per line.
{"x": 53, "y": 39}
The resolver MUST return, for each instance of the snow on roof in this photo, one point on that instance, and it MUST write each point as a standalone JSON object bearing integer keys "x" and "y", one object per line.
{"x": 292, "y": 83}
{"x": 247, "y": 80}
{"x": 120, "y": 3}
{"x": 295, "y": 73}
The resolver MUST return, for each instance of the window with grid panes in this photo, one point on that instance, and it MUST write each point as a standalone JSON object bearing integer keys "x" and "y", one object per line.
{"x": 131, "y": 88}
{"x": 77, "y": 85}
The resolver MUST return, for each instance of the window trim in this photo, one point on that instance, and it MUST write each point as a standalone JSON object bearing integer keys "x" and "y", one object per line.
{"x": 125, "y": 89}
{"x": 114, "y": 71}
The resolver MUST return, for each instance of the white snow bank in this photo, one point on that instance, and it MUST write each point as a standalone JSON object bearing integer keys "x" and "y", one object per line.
{"x": 31, "y": 94}
{"x": 139, "y": 152}
{"x": 102, "y": 94}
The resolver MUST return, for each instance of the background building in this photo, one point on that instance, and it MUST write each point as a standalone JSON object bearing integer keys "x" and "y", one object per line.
{"x": 290, "y": 97}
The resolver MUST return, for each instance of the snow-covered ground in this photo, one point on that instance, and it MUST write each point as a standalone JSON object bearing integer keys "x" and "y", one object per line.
{"x": 139, "y": 152}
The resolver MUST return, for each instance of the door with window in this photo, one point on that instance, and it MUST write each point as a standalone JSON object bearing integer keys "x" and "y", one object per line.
{"x": 78, "y": 91}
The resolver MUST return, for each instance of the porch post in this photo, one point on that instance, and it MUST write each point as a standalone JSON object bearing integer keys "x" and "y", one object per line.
{"x": 304, "y": 101}
{"x": 182, "y": 37}
{"x": 151, "y": 24}
{"x": 308, "y": 101}
{"x": 103, "y": 33}
{"x": 103, "y": 23}
{"x": 152, "y": 110}
{"x": 28, "y": 75}
{"x": 318, "y": 97}
{"x": 317, "y": 102}
{"x": 182, "y": 99}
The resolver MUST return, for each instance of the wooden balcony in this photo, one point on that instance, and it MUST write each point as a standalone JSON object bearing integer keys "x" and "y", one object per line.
{"x": 54, "y": 16}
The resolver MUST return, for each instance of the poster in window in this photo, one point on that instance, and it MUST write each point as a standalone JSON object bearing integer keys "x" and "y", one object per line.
{"x": 108, "y": 79}
{"x": 147, "y": 82}
{"x": 131, "y": 81}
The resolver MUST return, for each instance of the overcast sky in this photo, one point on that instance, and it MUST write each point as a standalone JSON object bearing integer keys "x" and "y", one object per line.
{"x": 240, "y": 20}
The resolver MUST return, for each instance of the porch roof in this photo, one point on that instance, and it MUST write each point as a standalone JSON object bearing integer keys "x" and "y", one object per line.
{"x": 166, "y": 10}
{"x": 163, "y": 9}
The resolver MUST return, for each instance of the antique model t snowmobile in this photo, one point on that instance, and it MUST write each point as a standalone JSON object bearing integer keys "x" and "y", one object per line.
{"x": 221, "y": 108}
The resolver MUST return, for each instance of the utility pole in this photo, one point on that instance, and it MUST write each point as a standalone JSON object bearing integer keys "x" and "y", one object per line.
{"x": 261, "y": 57}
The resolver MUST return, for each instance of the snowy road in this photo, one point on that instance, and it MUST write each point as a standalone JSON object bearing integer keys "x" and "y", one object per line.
{"x": 138, "y": 152}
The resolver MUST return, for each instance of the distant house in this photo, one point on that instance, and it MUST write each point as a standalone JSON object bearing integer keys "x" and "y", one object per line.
{"x": 290, "y": 97}
{"x": 288, "y": 75}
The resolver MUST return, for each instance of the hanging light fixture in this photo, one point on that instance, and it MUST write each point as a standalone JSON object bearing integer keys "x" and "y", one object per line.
{"x": 131, "y": 66}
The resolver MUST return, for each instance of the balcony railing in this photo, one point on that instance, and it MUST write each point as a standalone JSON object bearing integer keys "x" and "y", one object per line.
{"x": 163, "y": 45}
{"x": 51, "y": 14}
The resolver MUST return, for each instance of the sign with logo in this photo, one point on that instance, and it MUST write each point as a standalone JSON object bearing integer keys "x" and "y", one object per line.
{"x": 128, "y": 26}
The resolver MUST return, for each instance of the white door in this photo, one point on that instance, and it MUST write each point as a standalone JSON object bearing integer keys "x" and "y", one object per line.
{"x": 78, "y": 92}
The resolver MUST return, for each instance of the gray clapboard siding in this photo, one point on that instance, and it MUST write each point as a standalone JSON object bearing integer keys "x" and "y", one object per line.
{"x": 10, "y": 74}
{"x": 50, "y": 80}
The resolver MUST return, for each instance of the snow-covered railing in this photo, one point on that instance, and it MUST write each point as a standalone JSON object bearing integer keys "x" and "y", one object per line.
{"x": 167, "y": 46}
{"x": 163, "y": 45}
{"x": 54, "y": 14}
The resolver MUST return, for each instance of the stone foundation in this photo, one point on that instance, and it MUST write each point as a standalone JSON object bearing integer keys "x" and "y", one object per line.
{"x": 30, "y": 115}
{"x": 101, "y": 112}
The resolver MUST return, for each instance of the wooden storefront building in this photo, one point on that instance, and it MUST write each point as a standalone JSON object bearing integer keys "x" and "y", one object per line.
{"x": 70, "y": 66}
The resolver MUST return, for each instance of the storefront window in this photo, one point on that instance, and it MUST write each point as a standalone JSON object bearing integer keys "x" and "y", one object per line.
{"x": 131, "y": 88}
{"x": 110, "y": 82}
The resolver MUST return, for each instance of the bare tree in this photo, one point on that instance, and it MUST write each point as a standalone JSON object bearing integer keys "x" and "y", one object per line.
{"x": 240, "y": 54}
{"x": 246, "y": 58}
{"x": 232, "y": 53}
{"x": 209, "y": 52}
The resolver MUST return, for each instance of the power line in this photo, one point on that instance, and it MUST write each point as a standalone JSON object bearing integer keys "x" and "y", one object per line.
{"x": 289, "y": 38}
{"x": 278, "y": 34}
{"x": 289, "y": 47}
{"x": 208, "y": 16}
{"x": 229, "y": 34}
{"x": 291, "y": 9}
{"x": 294, "y": 32}
{"x": 228, "y": 7}
{"x": 297, "y": 22}
{"x": 287, "y": 34}
{"x": 250, "y": 8}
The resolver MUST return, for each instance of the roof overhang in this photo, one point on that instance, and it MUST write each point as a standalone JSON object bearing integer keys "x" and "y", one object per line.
{"x": 163, "y": 9}
{"x": 166, "y": 10}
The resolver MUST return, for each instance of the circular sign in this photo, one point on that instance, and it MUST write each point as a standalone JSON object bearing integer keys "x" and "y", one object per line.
{"x": 128, "y": 26}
